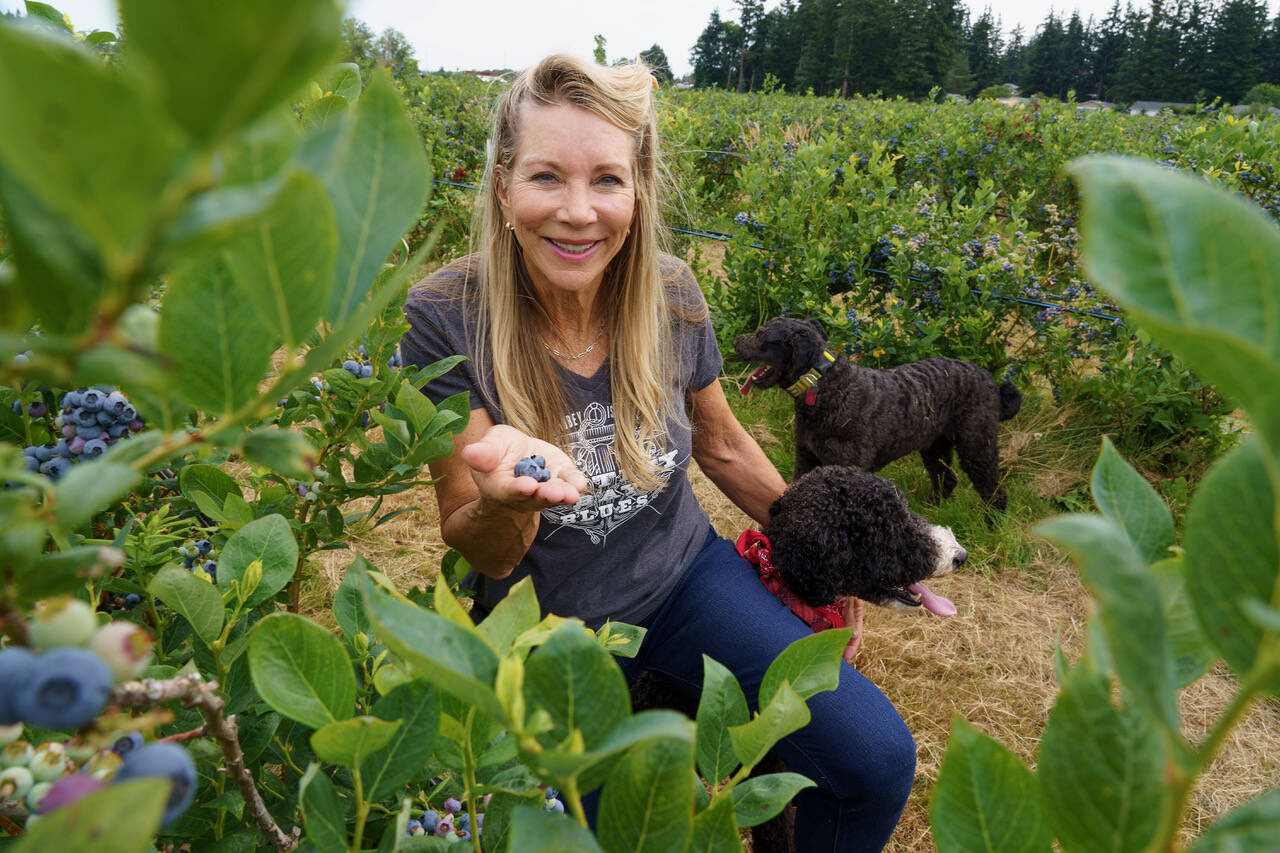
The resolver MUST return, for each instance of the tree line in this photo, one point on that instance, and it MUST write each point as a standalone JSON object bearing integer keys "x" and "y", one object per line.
{"x": 1171, "y": 50}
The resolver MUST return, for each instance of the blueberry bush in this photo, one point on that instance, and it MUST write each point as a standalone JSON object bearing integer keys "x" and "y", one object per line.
{"x": 1193, "y": 266}
{"x": 204, "y": 247}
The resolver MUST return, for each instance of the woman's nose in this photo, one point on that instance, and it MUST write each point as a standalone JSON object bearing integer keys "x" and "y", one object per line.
{"x": 576, "y": 206}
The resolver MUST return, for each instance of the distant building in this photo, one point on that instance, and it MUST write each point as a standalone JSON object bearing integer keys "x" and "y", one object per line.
{"x": 1153, "y": 108}
{"x": 1014, "y": 88}
{"x": 1095, "y": 105}
{"x": 1013, "y": 101}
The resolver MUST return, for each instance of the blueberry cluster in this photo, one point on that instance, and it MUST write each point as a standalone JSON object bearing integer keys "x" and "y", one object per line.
{"x": 67, "y": 684}
{"x": 55, "y": 774}
{"x": 552, "y": 801}
{"x": 451, "y": 823}
{"x": 748, "y": 221}
{"x": 193, "y": 554}
{"x": 361, "y": 369}
{"x": 532, "y": 466}
{"x": 90, "y": 420}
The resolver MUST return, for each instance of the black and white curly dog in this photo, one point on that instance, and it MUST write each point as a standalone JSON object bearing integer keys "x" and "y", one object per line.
{"x": 852, "y": 415}
{"x": 837, "y": 532}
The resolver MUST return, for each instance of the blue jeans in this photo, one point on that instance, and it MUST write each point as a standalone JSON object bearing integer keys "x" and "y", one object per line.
{"x": 856, "y": 746}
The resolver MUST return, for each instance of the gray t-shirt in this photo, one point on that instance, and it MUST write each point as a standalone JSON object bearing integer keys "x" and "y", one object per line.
{"x": 618, "y": 551}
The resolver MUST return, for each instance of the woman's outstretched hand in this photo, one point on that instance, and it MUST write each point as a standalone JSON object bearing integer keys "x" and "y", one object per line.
{"x": 492, "y": 460}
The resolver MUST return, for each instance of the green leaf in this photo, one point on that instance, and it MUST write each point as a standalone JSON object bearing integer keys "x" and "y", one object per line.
{"x": 1129, "y": 607}
{"x": 48, "y": 14}
{"x": 283, "y": 265}
{"x": 269, "y": 539}
{"x": 301, "y": 670}
{"x": 283, "y": 451}
{"x": 62, "y": 571}
{"x": 249, "y": 57}
{"x": 640, "y": 728}
{"x": 348, "y": 604}
{"x": 511, "y": 617}
{"x": 1125, "y": 497}
{"x": 620, "y": 639}
{"x": 378, "y": 177}
{"x": 94, "y": 822}
{"x": 342, "y": 80}
{"x": 416, "y": 705}
{"x": 195, "y": 600}
{"x": 322, "y": 811}
{"x": 785, "y": 713}
{"x": 536, "y": 831}
{"x": 1251, "y": 828}
{"x": 578, "y": 683}
{"x": 760, "y": 798}
{"x": 811, "y": 664}
{"x": 986, "y": 798}
{"x": 722, "y": 705}
{"x": 91, "y": 146}
{"x": 330, "y": 108}
{"x": 207, "y": 479}
{"x": 1188, "y": 647}
{"x": 349, "y": 742}
{"x": 90, "y": 488}
{"x": 715, "y": 831}
{"x": 416, "y": 405}
{"x": 647, "y": 802}
{"x": 1232, "y": 555}
{"x": 1153, "y": 240}
{"x": 457, "y": 660}
{"x": 218, "y": 369}
{"x": 1100, "y": 768}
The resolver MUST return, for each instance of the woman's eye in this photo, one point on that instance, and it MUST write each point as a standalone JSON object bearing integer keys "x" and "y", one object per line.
{"x": 611, "y": 180}
{"x": 543, "y": 178}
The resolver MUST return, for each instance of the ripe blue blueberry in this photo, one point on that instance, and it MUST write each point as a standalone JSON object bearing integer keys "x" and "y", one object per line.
{"x": 17, "y": 665}
{"x": 164, "y": 759}
{"x": 132, "y": 600}
{"x": 68, "y": 688}
{"x": 453, "y": 805}
{"x": 429, "y": 820}
{"x": 532, "y": 466}
{"x": 366, "y": 370}
{"x": 204, "y": 546}
{"x": 94, "y": 448}
{"x": 351, "y": 366}
{"x": 462, "y": 821}
{"x": 127, "y": 744}
{"x": 37, "y": 409}
{"x": 91, "y": 400}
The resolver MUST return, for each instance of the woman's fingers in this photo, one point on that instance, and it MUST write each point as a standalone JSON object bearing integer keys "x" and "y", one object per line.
{"x": 492, "y": 460}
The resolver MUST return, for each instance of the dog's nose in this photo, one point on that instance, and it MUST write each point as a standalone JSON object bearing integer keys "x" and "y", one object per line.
{"x": 960, "y": 558}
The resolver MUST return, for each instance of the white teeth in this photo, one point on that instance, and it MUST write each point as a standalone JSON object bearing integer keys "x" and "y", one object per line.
{"x": 572, "y": 249}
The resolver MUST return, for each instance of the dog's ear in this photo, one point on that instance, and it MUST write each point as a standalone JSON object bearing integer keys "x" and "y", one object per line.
{"x": 817, "y": 325}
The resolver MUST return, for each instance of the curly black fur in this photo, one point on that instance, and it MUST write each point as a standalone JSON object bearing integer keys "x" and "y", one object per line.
{"x": 867, "y": 418}
{"x": 836, "y": 531}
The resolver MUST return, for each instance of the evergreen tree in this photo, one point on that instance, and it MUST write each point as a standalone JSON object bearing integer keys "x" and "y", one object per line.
{"x": 656, "y": 58}
{"x": 818, "y": 23}
{"x": 1045, "y": 70}
{"x": 780, "y": 40}
{"x": 1014, "y": 61}
{"x": 1235, "y": 56}
{"x": 1269, "y": 52}
{"x": 715, "y": 52}
{"x": 1193, "y": 55}
{"x": 1075, "y": 58}
{"x": 1110, "y": 45}
{"x": 983, "y": 48}
{"x": 750, "y": 14}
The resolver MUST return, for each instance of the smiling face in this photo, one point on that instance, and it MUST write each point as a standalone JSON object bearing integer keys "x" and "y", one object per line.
{"x": 570, "y": 194}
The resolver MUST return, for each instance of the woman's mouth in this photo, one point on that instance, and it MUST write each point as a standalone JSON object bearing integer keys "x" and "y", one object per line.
{"x": 572, "y": 250}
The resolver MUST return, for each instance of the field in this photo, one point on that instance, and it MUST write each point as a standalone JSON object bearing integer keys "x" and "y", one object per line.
{"x": 209, "y": 446}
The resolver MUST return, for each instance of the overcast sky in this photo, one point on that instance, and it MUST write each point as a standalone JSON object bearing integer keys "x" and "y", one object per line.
{"x": 482, "y": 34}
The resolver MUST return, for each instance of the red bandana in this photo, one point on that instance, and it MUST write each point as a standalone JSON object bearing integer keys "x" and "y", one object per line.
{"x": 755, "y": 549}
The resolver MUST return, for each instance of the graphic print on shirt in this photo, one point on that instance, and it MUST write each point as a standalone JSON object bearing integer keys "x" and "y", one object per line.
{"x": 611, "y": 500}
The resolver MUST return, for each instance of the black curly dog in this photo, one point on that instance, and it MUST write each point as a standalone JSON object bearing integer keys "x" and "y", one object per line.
{"x": 851, "y": 415}
{"x": 836, "y": 532}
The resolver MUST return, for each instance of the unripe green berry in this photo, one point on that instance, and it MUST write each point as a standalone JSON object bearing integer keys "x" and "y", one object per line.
{"x": 8, "y": 734}
{"x": 79, "y": 749}
{"x": 103, "y": 765}
{"x": 14, "y": 783}
{"x": 63, "y": 621}
{"x": 36, "y": 794}
{"x": 17, "y": 754}
{"x": 49, "y": 762}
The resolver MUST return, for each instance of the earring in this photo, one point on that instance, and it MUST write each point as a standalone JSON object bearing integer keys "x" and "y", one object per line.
{"x": 510, "y": 227}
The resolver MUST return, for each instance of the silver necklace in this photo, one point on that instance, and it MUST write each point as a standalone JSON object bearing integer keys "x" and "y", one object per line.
{"x": 582, "y": 354}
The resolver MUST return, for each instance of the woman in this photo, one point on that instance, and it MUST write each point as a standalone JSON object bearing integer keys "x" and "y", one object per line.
{"x": 574, "y": 322}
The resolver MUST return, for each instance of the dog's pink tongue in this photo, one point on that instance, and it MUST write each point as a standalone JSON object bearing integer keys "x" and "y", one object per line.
{"x": 933, "y": 602}
{"x": 751, "y": 380}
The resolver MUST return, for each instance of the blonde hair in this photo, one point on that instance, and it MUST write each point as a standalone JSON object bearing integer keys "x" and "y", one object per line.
{"x": 637, "y": 314}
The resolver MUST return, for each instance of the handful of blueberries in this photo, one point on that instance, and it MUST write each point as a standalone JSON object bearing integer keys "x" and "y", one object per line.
{"x": 533, "y": 466}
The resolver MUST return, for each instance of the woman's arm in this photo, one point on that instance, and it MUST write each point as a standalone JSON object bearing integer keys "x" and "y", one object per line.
{"x": 487, "y": 513}
{"x": 731, "y": 457}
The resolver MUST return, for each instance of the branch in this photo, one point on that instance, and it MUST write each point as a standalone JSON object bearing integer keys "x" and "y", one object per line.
{"x": 193, "y": 692}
